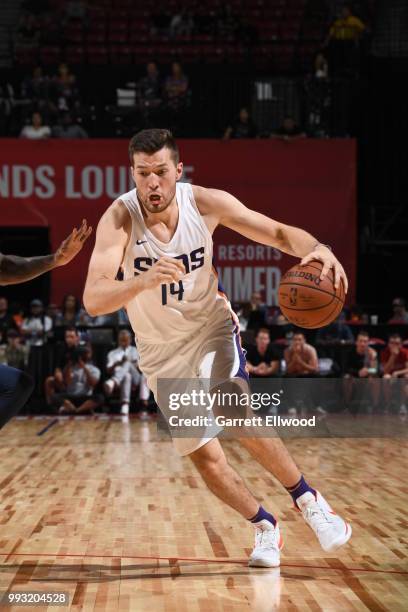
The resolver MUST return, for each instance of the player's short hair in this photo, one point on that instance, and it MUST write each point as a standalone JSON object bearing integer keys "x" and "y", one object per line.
{"x": 395, "y": 337}
{"x": 152, "y": 140}
{"x": 263, "y": 330}
{"x": 363, "y": 334}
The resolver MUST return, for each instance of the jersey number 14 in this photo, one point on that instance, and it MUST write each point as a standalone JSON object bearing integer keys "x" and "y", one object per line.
{"x": 173, "y": 289}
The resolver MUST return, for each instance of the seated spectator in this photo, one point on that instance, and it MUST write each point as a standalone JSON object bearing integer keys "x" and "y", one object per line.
{"x": 321, "y": 67}
{"x": 336, "y": 332}
{"x": 362, "y": 363}
{"x": 347, "y": 26}
{"x": 63, "y": 356}
{"x": 53, "y": 312}
{"x": 68, "y": 129}
{"x": 301, "y": 358}
{"x": 243, "y": 127}
{"x": 357, "y": 316}
{"x": 37, "y": 325}
{"x": 65, "y": 82}
{"x": 400, "y": 313}
{"x": 257, "y": 311}
{"x": 36, "y": 131}
{"x": 243, "y": 312}
{"x": 176, "y": 88}
{"x": 262, "y": 358}
{"x": 80, "y": 377}
{"x": 37, "y": 86}
{"x": 6, "y": 320}
{"x": 122, "y": 367}
{"x": 71, "y": 312}
{"x": 15, "y": 354}
{"x": 289, "y": 130}
{"x": 394, "y": 362}
{"x": 150, "y": 86}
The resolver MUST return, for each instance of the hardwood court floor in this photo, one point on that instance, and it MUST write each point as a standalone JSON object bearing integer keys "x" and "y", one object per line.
{"x": 103, "y": 510}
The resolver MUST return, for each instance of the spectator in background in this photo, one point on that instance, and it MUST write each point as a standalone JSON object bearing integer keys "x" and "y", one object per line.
{"x": 301, "y": 361}
{"x": 357, "y": 316}
{"x": 347, "y": 26}
{"x": 37, "y": 325}
{"x": 362, "y": 363}
{"x": 262, "y": 358}
{"x": 36, "y": 131}
{"x": 151, "y": 93}
{"x": 243, "y": 127}
{"x": 63, "y": 355}
{"x": 71, "y": 312}
{"x": 6, "y": 320}
{"x": 176, "y": 88}
{"x": 289, "y": 130}
{"x": 301, "y": 358}
{"x": 80, "y": 378}
{"x": 400, "y": 313}
{"x": 65, "y": 82}
{"x": 321, "y": 67}
{"x": 37, "y": 86}
{"x": 53, "y": 312}
{"x": 257, "y": 311}
{"x": 122, "y": 367}
{"x": 15, "y": 354}
{"x": 394, "y": 362}
{"x": 336, "y": 332}
{"x": 68, "y": 129}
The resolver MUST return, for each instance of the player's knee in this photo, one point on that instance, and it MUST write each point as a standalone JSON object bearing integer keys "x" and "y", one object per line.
{"x": 208, "y": 463}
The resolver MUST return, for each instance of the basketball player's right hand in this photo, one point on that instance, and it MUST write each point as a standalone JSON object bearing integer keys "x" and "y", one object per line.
{"x": 166, "y": 270}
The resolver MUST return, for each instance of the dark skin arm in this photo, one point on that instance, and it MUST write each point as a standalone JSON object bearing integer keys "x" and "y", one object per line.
{"x": 15, "y": 269}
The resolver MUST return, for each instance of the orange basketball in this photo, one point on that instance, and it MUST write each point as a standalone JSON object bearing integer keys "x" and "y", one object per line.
{"x": 307, "y": 301}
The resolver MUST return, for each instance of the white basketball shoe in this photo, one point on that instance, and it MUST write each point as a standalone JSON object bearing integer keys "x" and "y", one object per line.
{"x": 268, "y": 544}
{"x": 331, "y": 530}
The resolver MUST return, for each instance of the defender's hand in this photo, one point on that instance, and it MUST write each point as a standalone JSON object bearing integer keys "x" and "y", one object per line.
{"x": 329, "y": 261}
{"x": 71, "y": 246}
{"x": 166, "y": 270}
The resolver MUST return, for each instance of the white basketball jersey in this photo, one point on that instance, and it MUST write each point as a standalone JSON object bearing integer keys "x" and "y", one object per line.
{"x": 173, "y": 311}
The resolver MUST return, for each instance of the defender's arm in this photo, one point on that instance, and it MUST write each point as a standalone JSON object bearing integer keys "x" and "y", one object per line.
{"x": 14, "y": 269}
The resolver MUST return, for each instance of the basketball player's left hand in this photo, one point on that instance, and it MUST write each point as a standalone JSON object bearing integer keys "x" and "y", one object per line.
{"x": 71, "y": 246}
{"x": 330, "y": 262}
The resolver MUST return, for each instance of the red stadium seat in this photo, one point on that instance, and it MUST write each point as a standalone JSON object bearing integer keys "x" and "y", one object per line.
{"x": 97, "y": 54}
{"x": 50, "y": 55}
{"x": 74, "y": 54}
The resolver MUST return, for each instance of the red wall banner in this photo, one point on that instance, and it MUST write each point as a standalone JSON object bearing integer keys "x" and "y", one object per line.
{"x": 310, "y": 184}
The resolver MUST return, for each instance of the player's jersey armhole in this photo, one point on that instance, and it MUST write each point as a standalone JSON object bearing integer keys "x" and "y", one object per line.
{"x": 200, "y": 217}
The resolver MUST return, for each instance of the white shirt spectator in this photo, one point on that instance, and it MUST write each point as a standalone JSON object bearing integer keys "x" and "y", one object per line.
{"x": 35, "y": 133}
{"x": 35, "y": 329}
{"x": 117, "y": 355}
{"x": 79, "y": 384}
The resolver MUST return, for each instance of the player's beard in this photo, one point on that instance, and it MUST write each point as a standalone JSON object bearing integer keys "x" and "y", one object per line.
{"x": 150, "y": 207}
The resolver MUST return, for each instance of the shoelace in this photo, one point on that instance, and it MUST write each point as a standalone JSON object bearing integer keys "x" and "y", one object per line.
{"x": 317, "y": 517}
{"x": 265, "y": 538}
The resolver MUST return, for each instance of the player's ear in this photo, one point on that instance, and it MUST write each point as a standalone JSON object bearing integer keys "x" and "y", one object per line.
{"x": 179, "y": 171}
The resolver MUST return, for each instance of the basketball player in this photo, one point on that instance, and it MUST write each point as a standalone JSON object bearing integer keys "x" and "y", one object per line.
{"x": 16, "y": 386}
{"x": 161, "y": 233}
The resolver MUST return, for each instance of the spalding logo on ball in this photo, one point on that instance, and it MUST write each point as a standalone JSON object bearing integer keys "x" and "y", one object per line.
{"x": 308, "y": 301}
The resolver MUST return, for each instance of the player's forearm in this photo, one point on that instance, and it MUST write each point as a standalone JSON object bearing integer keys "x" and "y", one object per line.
{"x": 14, "y": 269}
{"x": 104, "y": 295}
{"x": 295, "y": 241}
